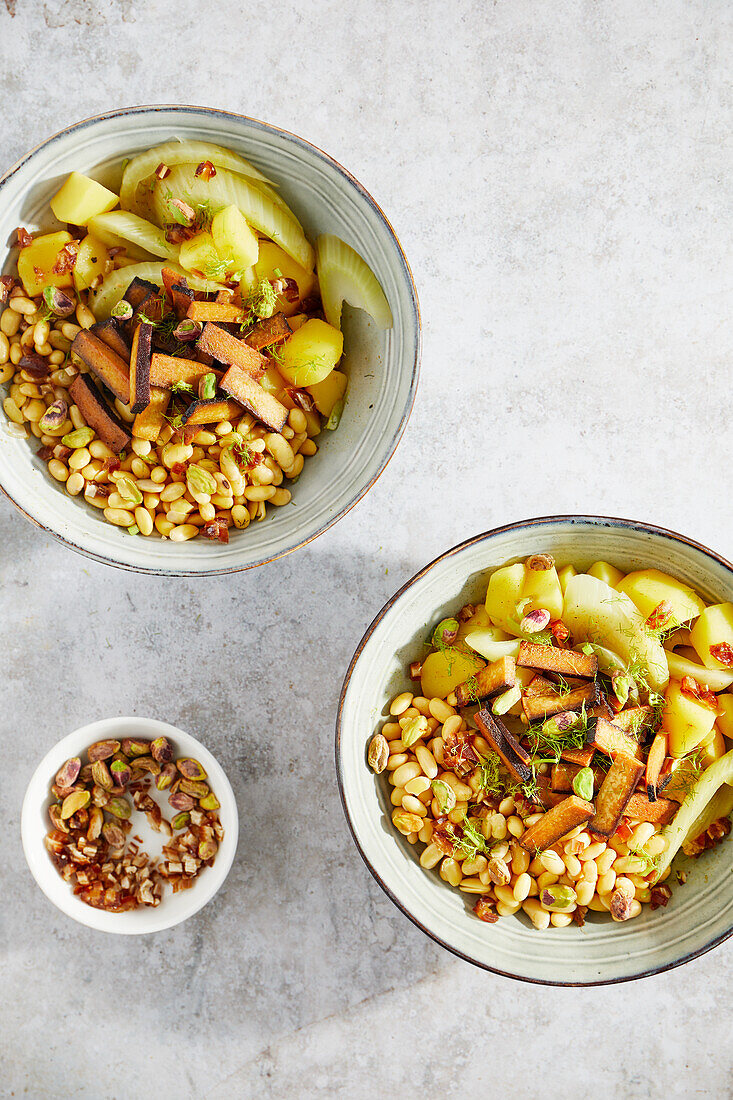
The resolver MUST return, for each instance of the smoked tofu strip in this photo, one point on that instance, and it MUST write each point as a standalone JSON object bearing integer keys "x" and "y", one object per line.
{"x": 492, "y": 680}
{"x": 548, "y": 658}
{"x": 228, "y": 349}
{"x": 109, "y": 367}
{"x": 558, "y": 821}
{"x": 614, "y": 794}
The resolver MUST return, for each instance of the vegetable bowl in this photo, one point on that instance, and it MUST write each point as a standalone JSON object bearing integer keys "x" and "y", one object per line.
{"x": 207, "y": 320}
{"x": 534, "y": 749}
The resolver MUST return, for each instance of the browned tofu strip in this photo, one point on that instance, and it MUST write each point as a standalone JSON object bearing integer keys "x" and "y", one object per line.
{"x": 223, "y": 312}
{"x": 239, "y": 385}
{"x": 492, "y": 680}
{"x": 558, "y": 821}
{"x": 149, "y": 422}
{"x": 106, "y": 364}
{"x": 140, "y": 356}
{"x": 177, "y": 291}
{"x": 615, "y": 793}
{"x": 87, "y": 396}
{"x": 661, "y": 811}
{"x": 539, "y": 685}
{"x": 165, "y": 370}
{"x": 578, "y": 756}
{"x": 548, "y": 658}
{"x": 211, "y": 412}
{"x": 562, "y": 776}
{"x": 545, "y": 795}
{"x": 111, "y": 334}
{"x": 544, "y": 706}
{"x": 634, "y": 720}
{"x": 228, "y": 349}
{"x": 513, "y": 756}
{"x": 271, "y": 331}
{"x": 606, "y": 737}
{"x": 138, "y": 291}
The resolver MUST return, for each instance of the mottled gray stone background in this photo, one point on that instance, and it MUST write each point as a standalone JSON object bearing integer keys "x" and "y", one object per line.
{"x": 559, "y": 174}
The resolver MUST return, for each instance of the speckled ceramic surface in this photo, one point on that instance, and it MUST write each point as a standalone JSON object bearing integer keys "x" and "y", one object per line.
{"x": 382, "y": 366}
{"x": 700, "y": 914}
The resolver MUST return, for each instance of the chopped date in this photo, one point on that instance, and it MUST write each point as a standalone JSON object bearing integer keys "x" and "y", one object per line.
{"x": 694, "y": 690}
{"x": 444, "y": 836}
{"x": 723, "y": 652}
{"x": 660, "y": 896}
{"x": 66, "y": 259}
{"x": 217, "y": 529}
{"x": 206, "y": 170}
{"x": 560, "y": 633}
{"x": 23, "y": 237}
{"x": 459, "y": 755}
{"x": 7, "y": 282}
{"x": 484, "y": 910}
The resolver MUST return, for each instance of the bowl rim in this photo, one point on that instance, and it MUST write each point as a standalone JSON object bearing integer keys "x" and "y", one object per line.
{"x": 484, "y": 536}
{"x": 101, "y": 920}
{"x": 387, "y": 454}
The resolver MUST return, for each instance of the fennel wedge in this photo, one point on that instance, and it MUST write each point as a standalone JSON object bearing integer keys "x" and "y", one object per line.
{"x": 115, "y": 285}
{"x": 345, "y": 277}
{"x": 139, "y": 237}
{"x": 691, "y": 818}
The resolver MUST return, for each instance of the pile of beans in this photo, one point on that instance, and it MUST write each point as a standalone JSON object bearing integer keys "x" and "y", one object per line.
{"x": 507, "y": 876}
{"x": 149, "y": 493}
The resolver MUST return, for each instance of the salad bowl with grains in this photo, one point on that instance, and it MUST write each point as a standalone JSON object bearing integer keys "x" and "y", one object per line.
{"x": 559, "y": 746}
{"x": 174, "y": 345}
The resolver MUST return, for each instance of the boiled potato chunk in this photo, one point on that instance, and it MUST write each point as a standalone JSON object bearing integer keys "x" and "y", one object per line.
{"x": 725, "y": 716}
{"x": 80, "y": 199}
{"x": 271, "y": 259}
{"x": 199, "y": 254}
{"x": 714, "y": 627}
{"x": 606, "y": 572}
{"x": 311, "y": 353}
{"x": 648, "y": 587}
{"x": 233, "y": 238}
{"x": 595, "y": 612}
{"x": 503, "y": 594}
{"x": 329, "y": 392}
{"x": 36, "y": 262}
{"x": 712, "y": 748}
{"x": 686, "y": 720}
{"x": 542, "y": 588}
{"x": 297, "y": 321}
{"x": 565, "y": 574}
{"x": 91, "y": 261}
{"x": 444, "y": 670}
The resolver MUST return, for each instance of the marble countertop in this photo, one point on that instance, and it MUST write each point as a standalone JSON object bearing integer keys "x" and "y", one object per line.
{"x": 559, "y": 175}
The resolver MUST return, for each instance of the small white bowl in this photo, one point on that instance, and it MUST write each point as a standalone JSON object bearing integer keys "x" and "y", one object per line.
{"x": 700, "y": 914}
{"x": 35, "y": 824}
{"x": 383, "y": 367}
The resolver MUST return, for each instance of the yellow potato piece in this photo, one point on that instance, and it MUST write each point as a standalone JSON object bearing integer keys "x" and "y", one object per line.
{"x": 327, "y": 393}
{"x": 502, "y": 596}
{"x": 686, "y": 721}
{"x": 714, "y": 627}
{"x": 271, "y": 259}
{"x": 725, "y": 716}
{"x": 604, "y": 571}
{"x": 542, "y": 588}
{"x": 80, "y": 199}
{"x": 648, "y": 587}
{"x": 91, "y": 261}
{"x": 199, "y": 254}
{"x": 444, "y": 670}
{"x": 233, "y": 238}
{"x": 565, "y": 574}
{"x": 36, "y": 262}
{"x": 311, "y": 353}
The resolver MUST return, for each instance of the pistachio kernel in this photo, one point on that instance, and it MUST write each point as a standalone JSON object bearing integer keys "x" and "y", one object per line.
{"x": 100, "y": 796}
{"x": 68, "y": 773}
{"x": 445, "y": 633}
{"x": 534, "y": 621}
{"x": 194, "y": 788}
{"x": 190, "y": 768}
{"x": 101, "y": 775}
{"x": 119, "y": 807}
{"x": 146, "y": 764}
{"x": 211, "y": 802}
{"x": 132, "y": 747}
{"x": 583, "y": 784}
{"x": 187, "y": 330}
{"x": 113, "y": 834}
{"x": 121, "y": 311}
{"x": 54, "y": 416}
{"x": 444, "y": 794}
{"x": 181, "y": 801}
{"x": 167, "y": 774}
{"x": 161, "y": 750}
{"x": 557, "y": 898}
{"x": 540, "y": 562}
{"x": 128, "y": 490}
{"x": 378, "y": 753}
{"x": 120, "y": 772}
{"x": 180, "y": 821}
{"x": 208, "y": 849}
{"x": 414, "y": 729}
{"x": 54, "y": 812}
{"x": 73, "y": 802}
{"x": 58, "y": 301}
{"x": 102, "y": 750}
{"x": 78, "y": 438}
{"x": 407, "y": 822}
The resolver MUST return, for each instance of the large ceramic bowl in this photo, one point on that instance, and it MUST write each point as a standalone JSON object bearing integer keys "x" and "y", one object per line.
{"x": 700, "y": 914}
{"x": 174, "y": 908}
{"x": 382, "y": 366}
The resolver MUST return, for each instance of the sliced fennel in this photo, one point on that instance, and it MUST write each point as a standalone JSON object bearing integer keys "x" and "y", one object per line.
{"x": 115, "y": 285}
{"x": 689, "y": 820}
{"x": 717, "y": 679}
{"x": 227, "y": 189}
{"x": 172, "y": 153}
{"x": 595, "y": 612}
{"x": 119, "y": 227}
{"x": 483, "y": 642}
{"x": 344, "y": 277}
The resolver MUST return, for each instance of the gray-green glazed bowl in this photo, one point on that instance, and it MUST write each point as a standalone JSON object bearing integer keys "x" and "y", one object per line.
{"x": 700, "y": 914}
{"x": 382, "y": 366}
